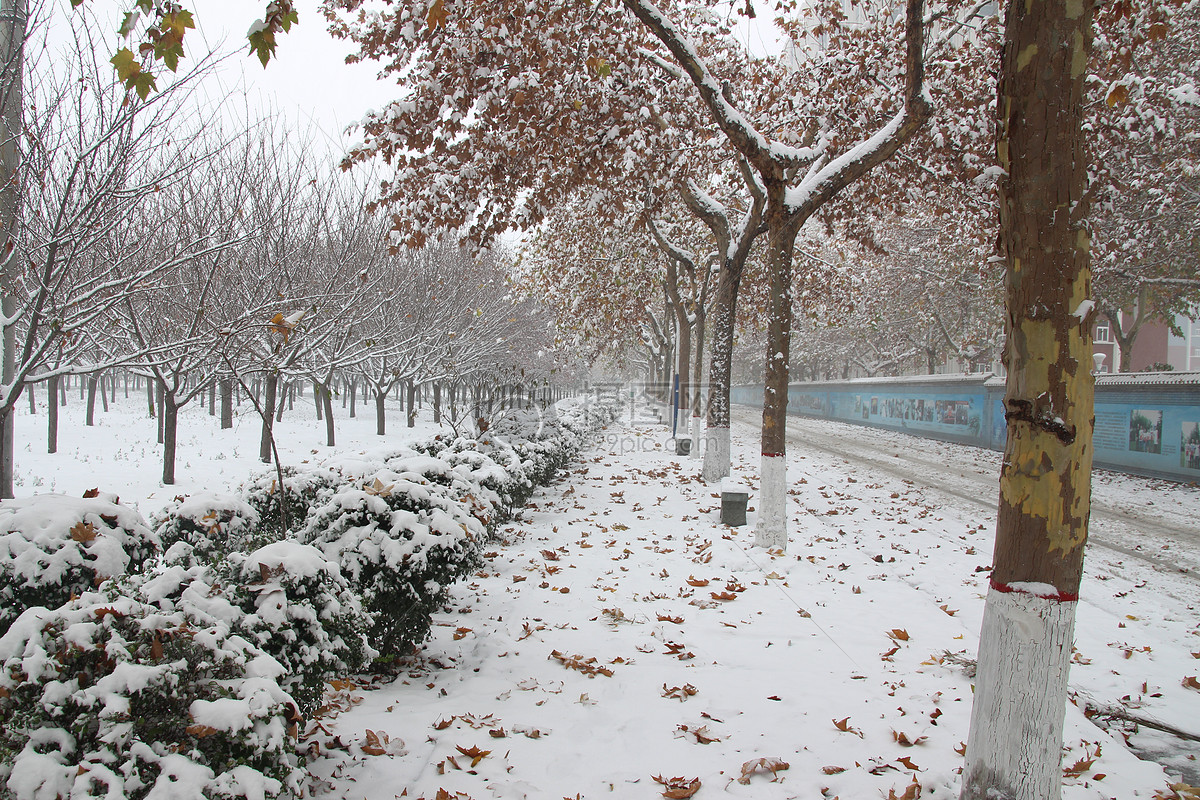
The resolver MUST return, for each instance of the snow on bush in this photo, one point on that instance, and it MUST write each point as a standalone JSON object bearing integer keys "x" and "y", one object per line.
{"x": 202, "y": 528}
{"x": 53, "y": 546}
{"x": 301, "y": 610}
{"x": 143, "y": 689}
{"x": 489, "y": 463}
{"x": 401, "y": 540}
{"x": 303, "y": 489}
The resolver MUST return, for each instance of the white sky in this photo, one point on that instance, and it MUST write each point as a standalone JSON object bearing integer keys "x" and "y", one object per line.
{"x": 308, "y": 80}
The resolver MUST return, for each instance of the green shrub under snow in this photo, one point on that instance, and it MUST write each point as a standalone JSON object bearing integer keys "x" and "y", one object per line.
{"x": 401, "y": 541}
{"x": 53, "y": 546}
{"x": 301, "y": 611}
{"x": 144, "y": 689}
{"x": 202, "y": 528}
{"x": 303, "y": 489}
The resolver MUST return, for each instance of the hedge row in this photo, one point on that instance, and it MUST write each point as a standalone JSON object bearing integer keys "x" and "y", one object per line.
{"x": 177, "y": 660}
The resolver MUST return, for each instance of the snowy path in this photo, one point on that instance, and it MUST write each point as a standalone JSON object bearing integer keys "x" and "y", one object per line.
{"x": 620, "y": 633}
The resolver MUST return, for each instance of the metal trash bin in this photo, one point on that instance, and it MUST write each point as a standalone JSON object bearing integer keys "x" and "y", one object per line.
{"x": 735, "y": 497}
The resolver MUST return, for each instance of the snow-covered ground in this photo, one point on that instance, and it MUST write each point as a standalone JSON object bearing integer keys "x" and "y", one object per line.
{"x": 620, "y": 635}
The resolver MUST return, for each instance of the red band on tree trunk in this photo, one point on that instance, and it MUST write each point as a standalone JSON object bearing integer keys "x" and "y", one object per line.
{"x": 773, "y": 455}
{"x": 1059, "y": 596}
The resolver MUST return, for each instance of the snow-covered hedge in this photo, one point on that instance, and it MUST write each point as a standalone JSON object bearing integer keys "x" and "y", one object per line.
{"x": 402, "y": 541}
{"x": 143, "y": 689}
{"x": 303, "y": 489}
{"x": 53, "y": 546}
{"x": 202, "y": 528}
{"x": 300, "y": 610}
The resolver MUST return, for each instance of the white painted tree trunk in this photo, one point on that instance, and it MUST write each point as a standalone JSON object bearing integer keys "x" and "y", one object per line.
{"x": 1020, "y": 686}
{"x": 771, "y": 529}
{"x": 697, "y": 436}
{"x": 716, "y": 454}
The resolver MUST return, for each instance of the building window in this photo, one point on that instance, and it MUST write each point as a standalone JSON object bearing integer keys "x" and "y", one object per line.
{"x": 1103, "y": 334}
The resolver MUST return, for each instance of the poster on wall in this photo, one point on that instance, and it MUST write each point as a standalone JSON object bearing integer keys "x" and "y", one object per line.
{"x": 1189, "y": 445}
{"x": 1145, "y": 430}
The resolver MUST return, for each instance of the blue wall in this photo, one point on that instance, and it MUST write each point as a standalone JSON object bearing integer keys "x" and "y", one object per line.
{"x": 1146, "y": 424}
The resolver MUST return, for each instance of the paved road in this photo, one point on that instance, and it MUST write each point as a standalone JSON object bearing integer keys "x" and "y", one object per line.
{"x": 1153, "y": 521}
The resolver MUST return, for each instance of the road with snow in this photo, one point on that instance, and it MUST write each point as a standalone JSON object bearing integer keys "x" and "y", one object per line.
{"x": 1151, "y": 521}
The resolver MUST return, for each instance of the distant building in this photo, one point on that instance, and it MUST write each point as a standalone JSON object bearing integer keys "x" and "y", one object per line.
{"x": 1155, "y": 344}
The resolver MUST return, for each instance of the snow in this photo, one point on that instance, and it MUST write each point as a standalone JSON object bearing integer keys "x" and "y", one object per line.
{"x": 843, "y": 657}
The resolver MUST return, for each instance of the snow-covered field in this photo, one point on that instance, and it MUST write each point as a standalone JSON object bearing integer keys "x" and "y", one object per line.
{"x": 621, "y": 637}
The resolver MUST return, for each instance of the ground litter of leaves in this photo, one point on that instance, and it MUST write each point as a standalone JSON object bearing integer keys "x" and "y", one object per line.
{"x": 621, "y": 642}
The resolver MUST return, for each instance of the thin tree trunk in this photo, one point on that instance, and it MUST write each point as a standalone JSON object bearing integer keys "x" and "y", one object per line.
{"x": 1014, "y": 749}
{"x": 380, "y": 417}
{"x": 317, "y": 399}
{"x": 150, "y": 398}
{"x": 103, "y": 395}
{"x": 212, "y": 398}
{"x": 90, "y": 415}
{"x": 62, "y": 390}
{"x": 437, "y": 403}
{"x": 327, "y": 402}
{"x": 32, "y": 399}
{"x": 352, "y": 392}
{"x": 159, "y": 392}
{"x": 52, "y": 416}
{"x": 411, "y": 388}
{"x": 289, "y": 391}
{"x": 697, "y": 383}
{"x": 226, "y": 403}
{"x": 170, "y": 426}
{"x": 268, "y": 418}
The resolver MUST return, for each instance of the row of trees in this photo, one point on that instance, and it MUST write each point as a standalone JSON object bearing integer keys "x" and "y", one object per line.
{"x": 171, "y": 239}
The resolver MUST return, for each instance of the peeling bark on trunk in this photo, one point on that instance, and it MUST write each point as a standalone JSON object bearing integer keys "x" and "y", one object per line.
{"x": 724, "y": 315}
{"x": 1015, "y": 741}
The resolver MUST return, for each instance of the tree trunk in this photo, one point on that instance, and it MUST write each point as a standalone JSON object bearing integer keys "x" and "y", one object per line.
{"x": 170, "y": 426}
{"x": 771, "y": 528}
{"x": 697, "y": 383}
{"x": 212, "y": 398}
{"x": 1014, "y": 749}
{"x": 327, "y": 403}
{"x": 159, "y": 392}
{"x": 103, "y": 395}
{"x": 32, "y": 399}
{"x": 52, "y": 416}
{"x": 411, "y": 391}
{"x": 437, "y": 403}
{"x": 317, "y": 400}
{"x": 268, "y": 418}
{"x": 90, "y": 415}
{"x": 352, "y": 391}
{"x": 62, "y": 391}
{"x": 380, "y": 417}
{"x": 289, "y": 391}
{"x": 226, "y": 403}
{"x": 149, "y": 398}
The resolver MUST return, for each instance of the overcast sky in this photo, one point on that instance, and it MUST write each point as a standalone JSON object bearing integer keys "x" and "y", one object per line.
{"x": 308, "y": 79}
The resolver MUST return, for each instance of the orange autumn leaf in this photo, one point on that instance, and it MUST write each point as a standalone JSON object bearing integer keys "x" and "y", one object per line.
{"x": 678, "y": 788}
{"x": 697, "y": 582}
{"x": 474, "y": 753}
{"x": 83, "y": 532}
